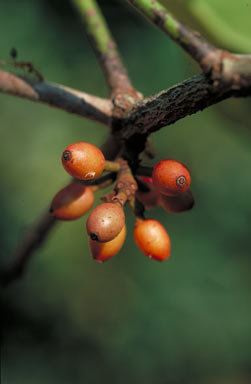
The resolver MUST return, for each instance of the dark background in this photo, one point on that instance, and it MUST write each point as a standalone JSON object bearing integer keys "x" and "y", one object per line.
{"x": 130, "y": 320}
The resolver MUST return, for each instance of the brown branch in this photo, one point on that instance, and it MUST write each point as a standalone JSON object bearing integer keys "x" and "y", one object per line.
{"x": 55, "y": 95}
{"x": 33, "y": 239}
{"x": 179, "y": 101}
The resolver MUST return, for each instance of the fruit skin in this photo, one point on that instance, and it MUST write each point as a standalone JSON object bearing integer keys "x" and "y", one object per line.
{"x": 104, "y": 251}
{"x": 148, "y": 196}
{"x": 171, "y": 177}
{"x": 83, "y": 161}
{"x": 72, "y": 202}
{"x": 177, "y": 204}
{"x": 105, "y": 222}
{"x": 152, "y": 239}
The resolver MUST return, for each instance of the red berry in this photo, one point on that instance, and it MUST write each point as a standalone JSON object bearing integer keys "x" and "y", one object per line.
{"x": 176, "y": 204}
{"x": 171, "y": 177}
{"x": 105, "y": 222}
{"x": 83, "y": 161}
{"x": 104, "y": 251}
{"x": 152, "y": 239}
{"x": 147, "y": 193}
{"x": 72, "y": 202}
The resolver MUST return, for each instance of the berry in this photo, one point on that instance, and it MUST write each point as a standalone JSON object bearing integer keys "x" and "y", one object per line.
{"x": 171, "y": 177}
{"x": 105, "y": 222}
{"x": 72, "y": 202}
{"x": 83, "y": 161}
{"x": 147, "y": 193}
{"x": 104, "y": 251}
{"x": 176, "y": 204}
{"x": 152, "y": 239}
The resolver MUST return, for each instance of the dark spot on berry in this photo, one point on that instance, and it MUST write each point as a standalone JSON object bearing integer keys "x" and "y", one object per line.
{"x": 94, "y": 236}
{"x": 67, "y": 155}
{"x": 181, "y": 181}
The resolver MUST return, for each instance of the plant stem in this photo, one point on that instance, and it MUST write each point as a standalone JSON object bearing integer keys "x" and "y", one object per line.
{"x": 32, "y": 240}
{"x": 56, "y": 95}
{"x": 126, "y": 185}
{"x": 112, "y": 166}
{"x": 189, "y": 40}
{"x": 103, "y": 45}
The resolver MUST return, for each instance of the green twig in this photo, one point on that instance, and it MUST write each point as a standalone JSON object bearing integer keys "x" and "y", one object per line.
{"x": 111, "y": 166}
{"x": 189, "y": 40}
{"x": 103, "y": 44}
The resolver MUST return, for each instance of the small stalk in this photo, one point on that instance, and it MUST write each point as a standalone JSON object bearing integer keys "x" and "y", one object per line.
{"x": 112, "y": 166}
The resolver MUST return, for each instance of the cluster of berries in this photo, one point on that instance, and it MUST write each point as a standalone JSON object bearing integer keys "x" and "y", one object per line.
{"x": 168, "y": 187}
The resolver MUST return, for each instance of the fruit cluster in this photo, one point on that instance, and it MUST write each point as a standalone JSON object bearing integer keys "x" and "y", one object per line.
{"x": 168, "y": 186}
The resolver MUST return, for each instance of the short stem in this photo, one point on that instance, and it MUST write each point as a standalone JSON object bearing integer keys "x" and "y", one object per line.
{"x": 112, "y": 166}
{"x": 110, "y": 177}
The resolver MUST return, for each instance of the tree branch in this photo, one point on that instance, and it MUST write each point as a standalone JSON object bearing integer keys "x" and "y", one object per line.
{"x": 55, "y": 95}
{"x": 32, "y": 240}
{"x": 177, "y": 102}
{"x": 216, "y": 63}
{"x": 103, "y": 45}
{"x": 189, "y": 40}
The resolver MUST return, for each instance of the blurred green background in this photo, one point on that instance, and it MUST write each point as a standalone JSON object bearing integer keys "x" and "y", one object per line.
{"x": 130, "y": 320}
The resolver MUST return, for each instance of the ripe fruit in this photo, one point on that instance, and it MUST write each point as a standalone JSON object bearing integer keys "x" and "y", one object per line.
{"x": 83, "y": 161}
{"x": 171, "y": 177}
{"x": 105, "y": 222}
{"x": 147, "y": 193}
{"x": 72, "y": 202}
{"x": 176, "y": 204}
{"x": 104, "y": 251}
{"x": 152, "y": 239}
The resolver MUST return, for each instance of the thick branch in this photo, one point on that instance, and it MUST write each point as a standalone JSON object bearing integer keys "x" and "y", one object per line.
{"x": 55, "y": 95}
{"x": 186, "y": 98}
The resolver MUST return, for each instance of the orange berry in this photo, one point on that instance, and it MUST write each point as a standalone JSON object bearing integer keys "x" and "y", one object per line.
{"x": 104, "y": 251}
{"x": 72, "y": 202}
{"x": 105, "y": 222}
{"x": 147, "y": 193}
{"x": 152, "y": 239}
{"x": 83, "y": 161}
{"x": 171, "y": 177}
{"x": 177, "y": 204}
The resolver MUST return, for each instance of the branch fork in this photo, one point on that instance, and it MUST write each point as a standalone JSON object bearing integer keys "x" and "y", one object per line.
{"x": 125, "y": 186}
